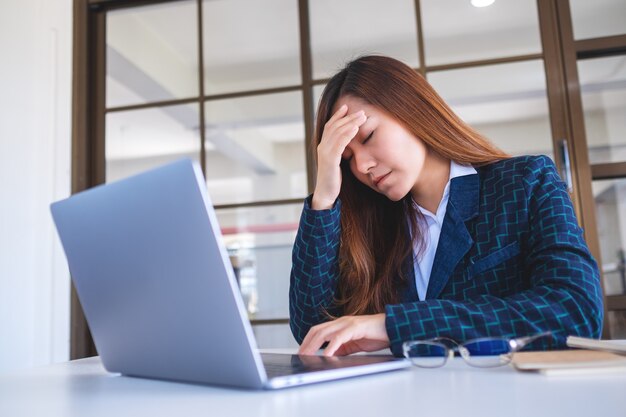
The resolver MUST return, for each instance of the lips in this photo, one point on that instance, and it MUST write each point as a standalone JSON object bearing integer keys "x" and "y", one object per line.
{"x": 377, "y": 180}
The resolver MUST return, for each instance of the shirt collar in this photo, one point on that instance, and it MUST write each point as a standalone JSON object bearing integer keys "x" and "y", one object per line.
{"x": 456, "y": 170}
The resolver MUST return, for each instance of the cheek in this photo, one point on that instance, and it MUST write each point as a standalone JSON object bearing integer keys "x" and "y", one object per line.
{"x": 412, "y": 152}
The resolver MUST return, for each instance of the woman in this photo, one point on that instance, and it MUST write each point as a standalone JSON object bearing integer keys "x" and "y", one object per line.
{"x": 418, "y": 227}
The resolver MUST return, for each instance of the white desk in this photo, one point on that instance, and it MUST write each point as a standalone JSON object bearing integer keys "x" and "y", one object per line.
{"x": 83, "y": 388}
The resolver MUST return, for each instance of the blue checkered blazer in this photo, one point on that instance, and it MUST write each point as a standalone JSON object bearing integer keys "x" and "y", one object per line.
{"x": 511, "y": 261}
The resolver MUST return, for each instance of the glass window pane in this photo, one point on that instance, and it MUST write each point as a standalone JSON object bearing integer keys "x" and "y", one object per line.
{"x": 456, "y": 31}
{"x": 603, "y": 88}
{"x": 507, "y": 103}
{"x": 342, "y": 30}
{"x": 594, "y": 19}
{"x": 617, "y": 324}
{"x": 259, "y": 241}
{"x": 255, "y": 148}
{"x": 151, "y": 53}
{"x": 138, "y": 140}
{"x": 610, "y": 200}
{"x": 250, "y": 45}
{"x": 317, "y": 95}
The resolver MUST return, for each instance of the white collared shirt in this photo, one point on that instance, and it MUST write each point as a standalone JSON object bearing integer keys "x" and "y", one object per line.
{"x": 431, "y": 229}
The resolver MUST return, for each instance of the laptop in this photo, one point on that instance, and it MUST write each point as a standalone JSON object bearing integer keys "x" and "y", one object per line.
{"x": 159, "y": 293}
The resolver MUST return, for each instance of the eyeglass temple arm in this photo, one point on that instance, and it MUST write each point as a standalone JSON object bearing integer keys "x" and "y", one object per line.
{"x": 520, "y": 342}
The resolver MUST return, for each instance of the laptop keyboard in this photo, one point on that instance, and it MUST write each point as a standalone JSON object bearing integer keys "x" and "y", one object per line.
{"x": 281, "y": 365}
{"x": 284, "y": 364}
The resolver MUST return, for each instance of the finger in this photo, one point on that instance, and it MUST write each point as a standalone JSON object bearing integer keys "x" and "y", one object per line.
{"x": 317, "y": 336}
{"x": 304, "y": 346}
{"x": 340, "y": 332}
{"x": 344, "y": 137}
{"x": 342, "y": 351}
{"x": 337, "y": 341}
{"x": 337, "y": 141}
{"x": 314, "y": 343}
{"x": 334, "y": 147}
{"x": 307, "y": 347}
{"x": 347, "y": 348}
{"x": 357, "y": 119}
{"x": 341, "y": 111}
{"x": 353, "y": 119}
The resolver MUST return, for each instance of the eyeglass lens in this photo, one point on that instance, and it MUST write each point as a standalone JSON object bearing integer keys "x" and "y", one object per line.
{"x": 488, "y": 352}
{"x": 481, "y": 353}
{"x": 426, "y": 354}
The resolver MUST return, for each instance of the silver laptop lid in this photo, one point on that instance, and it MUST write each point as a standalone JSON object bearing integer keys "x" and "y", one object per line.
{"x": 155, "y": 282}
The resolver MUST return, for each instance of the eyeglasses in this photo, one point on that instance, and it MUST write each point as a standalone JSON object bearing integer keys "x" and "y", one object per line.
{"x": 485, "y": 352}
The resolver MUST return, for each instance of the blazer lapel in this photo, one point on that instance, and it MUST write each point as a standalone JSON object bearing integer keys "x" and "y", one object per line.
{"x": 454, "y": 240}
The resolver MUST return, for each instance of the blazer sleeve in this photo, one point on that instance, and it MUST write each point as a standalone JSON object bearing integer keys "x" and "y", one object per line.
{"x": 315, "y": 269}
{"x": 564, "y": 295}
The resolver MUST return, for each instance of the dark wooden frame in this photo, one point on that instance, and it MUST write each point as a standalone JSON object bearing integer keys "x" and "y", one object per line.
{"x": 87, "y": 136}
{"x": 559, "y": 53}
{"x": 566, "y": 108}
{"x": 601, "y": 48}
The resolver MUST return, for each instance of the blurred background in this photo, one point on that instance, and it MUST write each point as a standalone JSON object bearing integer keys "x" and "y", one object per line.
{"x": 98, "y": 90}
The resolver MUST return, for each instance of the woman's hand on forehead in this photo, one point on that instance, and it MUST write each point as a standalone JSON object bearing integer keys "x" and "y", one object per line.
{"x": 338, "y": 132}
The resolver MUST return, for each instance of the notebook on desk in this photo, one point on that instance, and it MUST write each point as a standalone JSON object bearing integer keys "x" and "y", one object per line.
{"x": 569, "y": 362}
{"x": 159, "y": 293}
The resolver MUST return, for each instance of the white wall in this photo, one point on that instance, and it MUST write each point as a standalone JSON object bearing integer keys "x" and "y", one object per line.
{"x": 35, "y": 115}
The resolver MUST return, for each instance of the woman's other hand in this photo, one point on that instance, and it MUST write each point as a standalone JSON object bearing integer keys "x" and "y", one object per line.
{"x": 339, "y": 130}
{"x": 346, "y": 335}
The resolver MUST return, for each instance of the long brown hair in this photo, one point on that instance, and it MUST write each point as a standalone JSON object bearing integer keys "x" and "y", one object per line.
{"x": 377, "y": 234}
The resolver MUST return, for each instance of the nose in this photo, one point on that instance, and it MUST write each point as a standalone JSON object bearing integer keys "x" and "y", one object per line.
{"x": 363, "y": 160}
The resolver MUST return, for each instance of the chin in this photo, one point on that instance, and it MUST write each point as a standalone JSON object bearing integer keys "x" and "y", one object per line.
{"x": 394, "y": 196}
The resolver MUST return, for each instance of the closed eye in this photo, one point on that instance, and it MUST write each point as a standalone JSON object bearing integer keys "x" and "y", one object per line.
{"x": 348, "y": 157}
{"x": 368, "y": 137}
